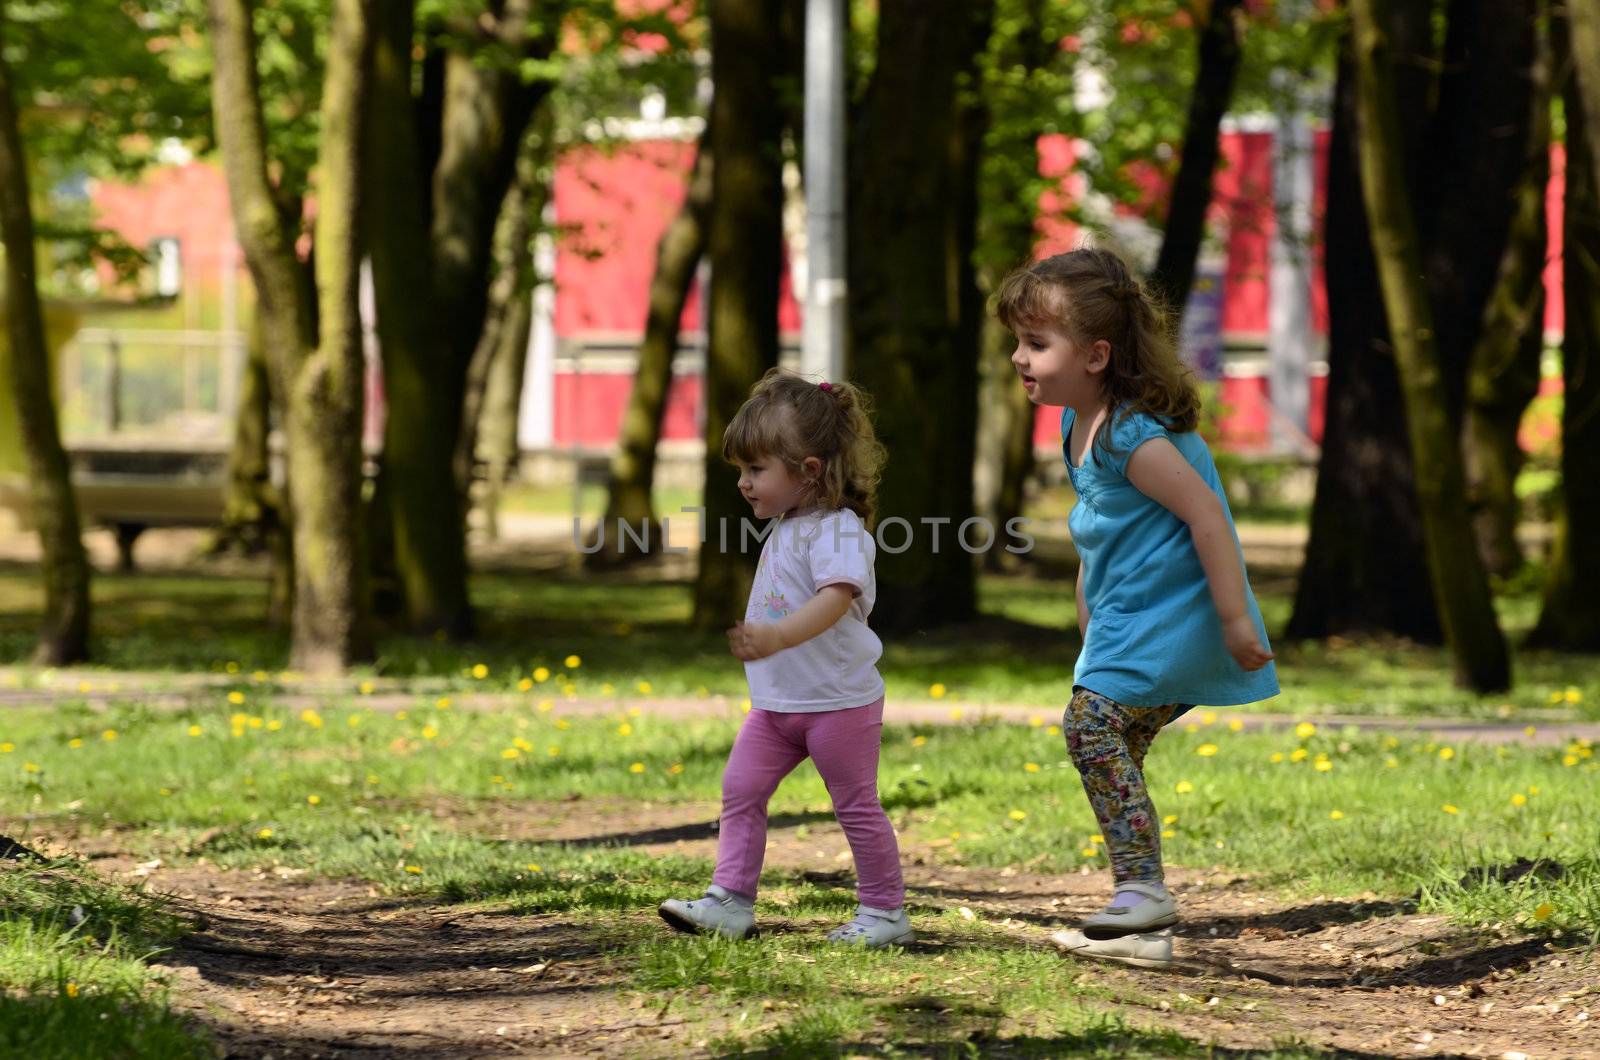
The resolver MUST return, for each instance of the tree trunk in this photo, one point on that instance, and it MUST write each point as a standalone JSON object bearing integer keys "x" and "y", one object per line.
{"x": 253, "y": 516}
{"x": 1570, "y": 616}
{"x": 745, "y": 241}
{"x": 1473, "y": 162}
{"x": 444, "y": 165}
{"x": 1009, "y": 196}
{"x": 633, "y": 467}
{"x": 1583, "y": 29}
{"x": 1191, "y": 191}
{"x": 1365, "y": 568}
{"x": 502, "y": 403}
{"x": 321, "y": 381}
{"x": 1461, "y": 588}
{"x": 64, "y": 637}
{"x": 1504, "y": 366}
{"x": 915, "y": 306}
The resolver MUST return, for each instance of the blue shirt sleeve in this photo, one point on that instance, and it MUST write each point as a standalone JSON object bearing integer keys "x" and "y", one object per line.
{"x": 1128, "y": 432}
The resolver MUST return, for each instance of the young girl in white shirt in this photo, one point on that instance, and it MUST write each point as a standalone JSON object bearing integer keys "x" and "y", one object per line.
{"x": 807, "y": 455}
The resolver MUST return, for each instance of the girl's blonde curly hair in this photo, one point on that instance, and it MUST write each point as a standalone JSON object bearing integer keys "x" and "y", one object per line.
{"x": 789, "y": 418}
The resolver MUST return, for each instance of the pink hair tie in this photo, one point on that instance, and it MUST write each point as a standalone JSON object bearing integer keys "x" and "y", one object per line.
{"x": 826, "y": 386}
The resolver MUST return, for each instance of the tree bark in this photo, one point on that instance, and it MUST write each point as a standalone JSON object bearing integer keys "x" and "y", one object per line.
{"x": 1218, "y": 64}
{"x": 633, "y": 467}
{"x": 1583, "y": 22}
{"x": 64, "y": 637}
{"x": 1570, "y": 615}
{"x": 915, "y": 306}
{"x": 1365, "y": 569}
{"x": 443, "y": 166}
{"x": 1460, "y": 585}
{"x": 321, "y": 380}
{"x": 745, "y": 241}
{"x": 1504, "y": 370}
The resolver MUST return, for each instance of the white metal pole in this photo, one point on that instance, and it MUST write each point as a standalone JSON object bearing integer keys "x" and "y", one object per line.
{"x": 822, "y": 340}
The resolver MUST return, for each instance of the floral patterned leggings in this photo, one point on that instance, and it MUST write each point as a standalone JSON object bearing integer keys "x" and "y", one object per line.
{"x": 1107, "y": 742}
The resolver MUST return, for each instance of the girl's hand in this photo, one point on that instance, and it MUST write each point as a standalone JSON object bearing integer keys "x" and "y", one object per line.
{"x": 1244, "y": 643}
{"x": 754, "y": 641}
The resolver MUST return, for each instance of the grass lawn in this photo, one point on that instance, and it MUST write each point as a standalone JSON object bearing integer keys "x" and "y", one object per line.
{"x": 344, "y": 791}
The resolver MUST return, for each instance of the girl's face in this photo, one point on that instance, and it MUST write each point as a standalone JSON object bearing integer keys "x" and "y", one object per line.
{"x": 1057, "y": 369}
{"x": 770, "y": 487}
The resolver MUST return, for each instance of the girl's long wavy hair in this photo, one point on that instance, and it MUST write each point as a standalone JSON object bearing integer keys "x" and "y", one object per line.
{"x": 1088, "y": 294}
{"x": 789, "y": 418}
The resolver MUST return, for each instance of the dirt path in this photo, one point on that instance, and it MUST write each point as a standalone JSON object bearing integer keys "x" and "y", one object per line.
{"x": 285, "y": 965}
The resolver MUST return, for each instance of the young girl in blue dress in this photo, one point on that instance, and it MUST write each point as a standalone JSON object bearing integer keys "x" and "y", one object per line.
{"x": 1166, "y": 612}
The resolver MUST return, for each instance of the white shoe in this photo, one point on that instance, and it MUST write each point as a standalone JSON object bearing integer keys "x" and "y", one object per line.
{"x": 1158, "y": 910}
{"x": 1150, "y": 949}
{"x": 718, "y": 912}
{"x": 874, "y": 928}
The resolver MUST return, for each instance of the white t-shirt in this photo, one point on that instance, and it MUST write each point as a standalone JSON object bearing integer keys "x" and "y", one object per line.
{"x": 836, "y": 669}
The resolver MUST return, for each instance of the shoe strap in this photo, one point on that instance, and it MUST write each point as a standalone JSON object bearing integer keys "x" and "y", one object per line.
{"x": 1154, "y": 891}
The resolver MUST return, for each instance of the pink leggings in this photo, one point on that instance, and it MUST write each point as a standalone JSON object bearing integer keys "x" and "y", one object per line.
{"x": 844, "y": 746}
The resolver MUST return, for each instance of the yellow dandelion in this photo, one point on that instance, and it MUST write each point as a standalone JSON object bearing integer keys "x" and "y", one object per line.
{"x": 314, "y": 800}
{"x": 30, "y": 767}
{"x": 1572, "y": 695}
{"x": 955, "y": 713}
{"x": 510, "y": 752}
{"x": 1206, "y": 750}
{"x": 1337, "y": 815}
{"x": 415, "y": 870}
{"x": 531, "y": 867}
{"x": 1208, "y": 718}
{"x": 624, "y": 729}
{"x": 231, "y": 667}
{"x": 265, "y": 833}
{"x": 1543, "y": 911}
{"x": 1533, "y": 789}
{"x": 1391, "y": 742}
{"x": 1036, "y": 721}
{"x": 195, "y": 730}
{"x": 1235, "y": 725}
{"x": 637, "y": 767}
{"x": 1305, "y": 730}
{"x": 311, "y": 718}
{"x": 937, "y": 690}
{"x": 524, "y": 685}
{"x": 1031, "y": 767}
{"x": 1446, "y": 753}
{"x": 522, "y": 745}
{"x": 1016, "y": 815}
{"x": 1322, "y": 765}
{"x": 541, "y": 674}
{"x": 675, "y": 768}
{"x": 1170, "y": 818}
{"x": 1167, "y": 833}
{"x": 442, "y": 703}
{"x": 1529, "y": 731}
{"x": 546, "y": 706}
{"x": 1557, "y": 697}
{"x": 75, "y": 743}
{"x": 372, "y": 778}
{"x": 258, "y": 676}
{"x": 563, "y": 723}
{"x": 7, "y": 748}
{"x": 166, "y": 791}
{"x": 635, "y": 712}
{"x": 1447, "y": 808}
{"x": 1275, "y": 757}
{"x": 1191, "y": 727}
{"x": 365, "y": 688}
{"x": 1183, "y": 787}
{"x": 1097, "y": 839}
{"x": 1088, "y": 852}
{"x": 1519, "y": 799}
{"x": 918, "y": 741}
{"x": 236, "y": 697}
{"x": 274, "y": 725}
{"x": 72, "y": 989}
{"x": 1054, "y": 730}
{"x": 84, "y": 686}
{"x": 1299, "y": 754}
{"x": 553, "y": 750}
{"x": 745, "y": 705}
{"x": 645, "y": 688}
{"x": 429, "y": 732}
{"x": 608, "y": 689}
{"x": 1569, "y": 759}
{"x": 572, "y": 662}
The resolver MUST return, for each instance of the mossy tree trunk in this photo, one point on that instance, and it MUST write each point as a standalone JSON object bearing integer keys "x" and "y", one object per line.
{"x": 1460, "y": 585}
{"x": 64, "y": 637}
{"x": 314, "y": 348}
{"x": 633, "y": 467}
